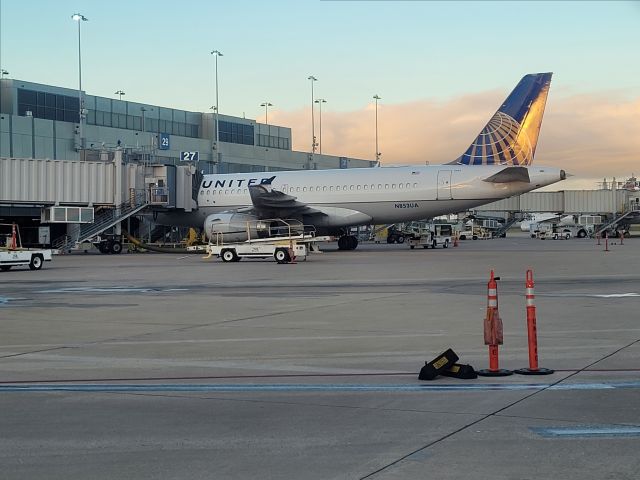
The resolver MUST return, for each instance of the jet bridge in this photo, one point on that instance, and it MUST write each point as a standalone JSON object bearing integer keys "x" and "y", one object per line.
{"x": 81, "y": 199}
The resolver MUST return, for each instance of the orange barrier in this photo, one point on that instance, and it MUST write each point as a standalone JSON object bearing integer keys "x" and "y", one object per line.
{"x": 493, "y": 331}
{"x": 532, "y": 333}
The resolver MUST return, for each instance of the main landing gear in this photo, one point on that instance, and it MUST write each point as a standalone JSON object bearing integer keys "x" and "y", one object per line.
{"x": 347, "y": 242}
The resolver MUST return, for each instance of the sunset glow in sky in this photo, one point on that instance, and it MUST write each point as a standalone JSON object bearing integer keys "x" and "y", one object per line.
{"x": 441, "y": 68}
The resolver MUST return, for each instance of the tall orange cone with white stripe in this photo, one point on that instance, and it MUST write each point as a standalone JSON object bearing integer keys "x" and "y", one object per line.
{"x": 532, "y": 332}
{"x": 493, "y": 331}
{"x": 14, "y": 243}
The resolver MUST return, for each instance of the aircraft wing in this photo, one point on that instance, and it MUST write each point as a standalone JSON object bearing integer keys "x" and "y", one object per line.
{"x": 510, "y": 174}
{"x": 271, "y": 203}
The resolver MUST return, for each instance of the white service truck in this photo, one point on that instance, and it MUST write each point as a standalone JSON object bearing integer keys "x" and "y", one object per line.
{"x": 13, "y": 255}
{"x": 434, "y": 235}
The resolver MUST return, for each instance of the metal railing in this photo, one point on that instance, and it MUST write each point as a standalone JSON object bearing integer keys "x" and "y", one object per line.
{"x": 138, "y": 199}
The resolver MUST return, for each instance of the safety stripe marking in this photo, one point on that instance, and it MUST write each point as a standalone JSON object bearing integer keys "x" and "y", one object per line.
{"x": 307, "y": 387}
{"x": 587, "y": 431}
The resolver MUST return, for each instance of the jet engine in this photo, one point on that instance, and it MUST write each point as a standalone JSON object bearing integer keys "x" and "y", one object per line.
{"x": 234, "y": 227}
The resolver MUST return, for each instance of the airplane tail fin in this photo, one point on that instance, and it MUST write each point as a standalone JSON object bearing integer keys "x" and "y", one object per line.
{"x": 511, "y": 135}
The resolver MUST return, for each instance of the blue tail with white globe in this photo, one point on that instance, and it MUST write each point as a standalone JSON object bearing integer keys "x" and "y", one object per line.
{"x": 511, "y": 136}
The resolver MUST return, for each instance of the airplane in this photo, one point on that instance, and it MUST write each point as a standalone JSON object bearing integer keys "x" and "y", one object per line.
{"x": 497, "y": 165}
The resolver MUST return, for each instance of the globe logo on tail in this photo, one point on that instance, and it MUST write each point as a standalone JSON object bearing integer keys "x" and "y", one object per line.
{"x": 501, "y": 142}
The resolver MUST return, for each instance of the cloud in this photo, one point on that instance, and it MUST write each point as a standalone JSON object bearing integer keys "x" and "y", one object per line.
{"x": 591, "y": 136}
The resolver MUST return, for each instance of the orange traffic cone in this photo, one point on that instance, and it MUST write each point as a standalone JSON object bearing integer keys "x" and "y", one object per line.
{"x": 532, "y": 333}
{"x": 14, "y": 242}
{"x": 493, "y": 331}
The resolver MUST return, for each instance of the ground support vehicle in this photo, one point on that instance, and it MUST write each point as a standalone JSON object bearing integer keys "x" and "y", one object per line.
{"x": 107, "y": 243}
{"x": 13, "y": 255}
{"x": 475, "y": 233}
{"x": 395, "y": 235}
{"x": 283, "y": 251}
{"x": 432, "y": 236}
{"x": 288, "y": 241}
{"x": 545, "y": 230}
{"x": 553, "y": 234}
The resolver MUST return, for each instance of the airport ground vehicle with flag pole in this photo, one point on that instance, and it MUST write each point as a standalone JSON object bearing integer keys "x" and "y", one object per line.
{"x": 13, "y": 255}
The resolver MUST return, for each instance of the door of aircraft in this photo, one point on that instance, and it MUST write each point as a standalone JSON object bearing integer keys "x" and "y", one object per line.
{"x": 444, "y": 185}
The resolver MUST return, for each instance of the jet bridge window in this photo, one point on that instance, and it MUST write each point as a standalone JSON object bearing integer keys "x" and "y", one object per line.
{"x": 350, "y": 187}
{"x": 366, "y": 187}
{"x": 415, "y": 185}
{"x": 386, "y": 185}
{"x": 379, "y": 186}
{"x": 408, "y": 185}
{"x": 393, "y": 185}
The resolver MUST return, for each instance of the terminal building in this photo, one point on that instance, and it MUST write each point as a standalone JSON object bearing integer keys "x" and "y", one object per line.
{"x": 43, "y": 122}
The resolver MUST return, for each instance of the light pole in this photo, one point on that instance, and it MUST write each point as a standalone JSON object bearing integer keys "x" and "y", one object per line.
{"x": 142, "y": 109}
{"x": 377, "y": 97}
{"x": 320, "y": 101}
{"x": 119, "y": 93}
{"x": 266, "y": 106}
{"x": 313, "y": 127}
{"x": 80, "y": 18}
{"x": 217, "y": 54}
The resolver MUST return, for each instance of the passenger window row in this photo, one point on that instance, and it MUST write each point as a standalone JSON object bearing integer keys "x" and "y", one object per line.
{"x": 331, "y": 188}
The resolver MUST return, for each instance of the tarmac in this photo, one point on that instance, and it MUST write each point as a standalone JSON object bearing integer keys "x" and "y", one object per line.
{"x": 167, "y": 366}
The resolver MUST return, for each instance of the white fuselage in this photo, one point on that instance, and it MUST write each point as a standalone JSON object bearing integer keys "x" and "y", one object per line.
{"x": 373, "y": 195}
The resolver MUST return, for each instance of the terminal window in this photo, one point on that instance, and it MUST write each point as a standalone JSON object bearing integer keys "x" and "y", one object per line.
{"x": 49, "y": 106}
{"x": 231, "y": 132}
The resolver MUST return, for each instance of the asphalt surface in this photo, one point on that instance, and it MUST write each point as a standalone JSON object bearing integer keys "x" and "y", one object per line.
{"x": 162, "y": 366}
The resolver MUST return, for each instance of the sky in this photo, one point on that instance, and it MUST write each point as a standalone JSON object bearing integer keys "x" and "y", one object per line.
{"x": 441, "y": 68}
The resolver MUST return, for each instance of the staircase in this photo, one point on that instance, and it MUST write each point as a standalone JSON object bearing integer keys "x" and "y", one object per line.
{"x": 102, "y": 222}
{"x": 503, "y": 229}
{"x": 613, "y": 222}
